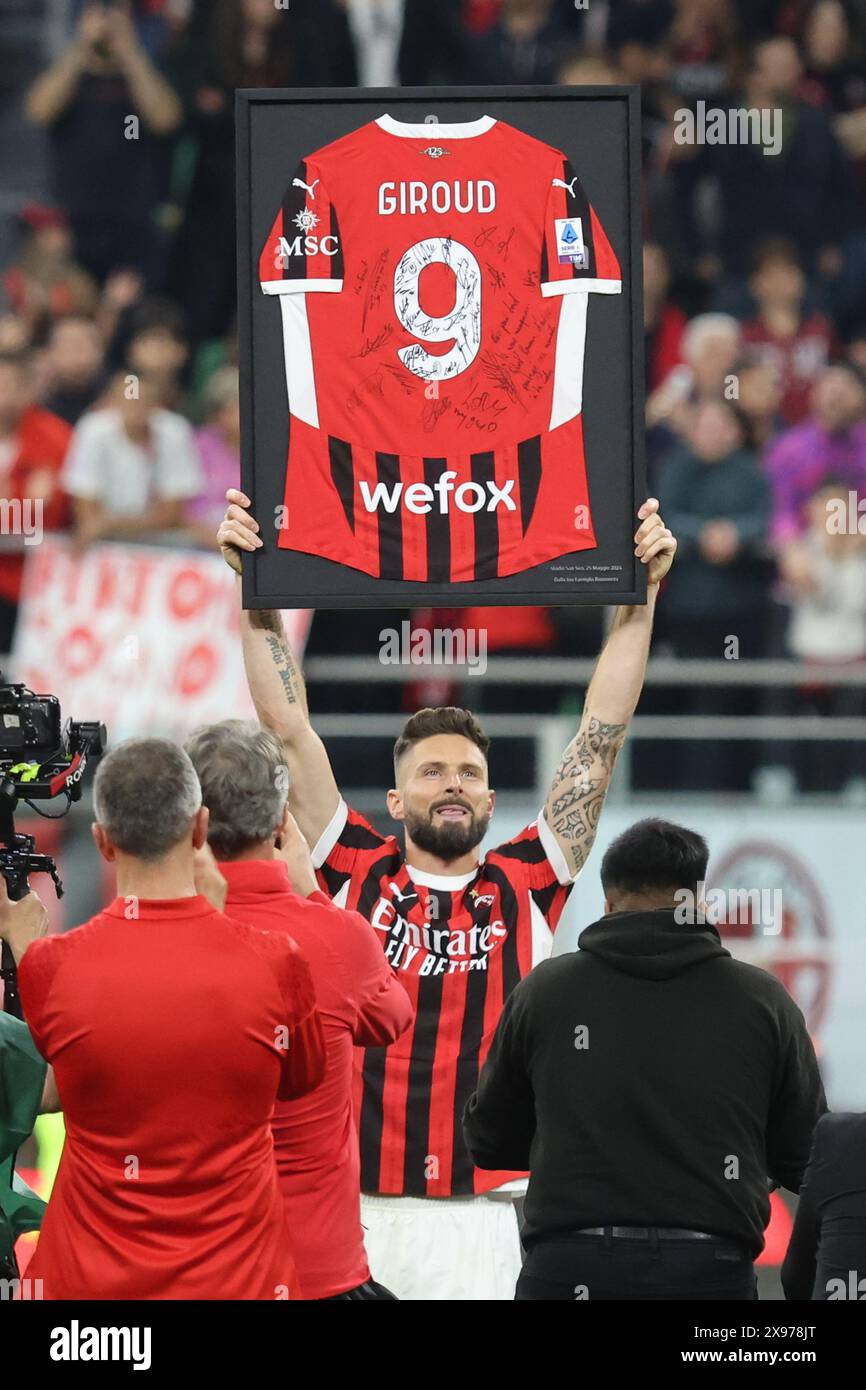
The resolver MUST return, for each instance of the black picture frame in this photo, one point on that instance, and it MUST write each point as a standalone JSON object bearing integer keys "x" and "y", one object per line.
{"x": 279, "y": 578}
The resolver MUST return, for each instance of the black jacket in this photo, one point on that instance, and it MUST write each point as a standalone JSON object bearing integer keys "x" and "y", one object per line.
{"x": 648, "y": 1079}
{"x": 826, "y": 1258}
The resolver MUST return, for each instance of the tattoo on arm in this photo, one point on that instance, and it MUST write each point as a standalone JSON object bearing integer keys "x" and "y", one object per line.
{"x": 287, "y": 670}
{"x": 580, "y": 786}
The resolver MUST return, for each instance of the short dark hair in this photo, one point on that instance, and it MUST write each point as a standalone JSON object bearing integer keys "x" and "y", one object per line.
{"x": 156, "y": 315}
{"x": 446, "y": 719}
{"x": 776, "y": 250}
{"x": 145, "y": 795}
{"x": 655, "y": 854}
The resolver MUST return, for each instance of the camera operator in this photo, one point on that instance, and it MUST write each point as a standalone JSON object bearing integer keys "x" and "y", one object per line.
{"x": 271, "y": 883}
{"x": 172, "y": 1030}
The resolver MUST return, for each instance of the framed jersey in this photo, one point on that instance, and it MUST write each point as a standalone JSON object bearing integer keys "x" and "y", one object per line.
{"x": 441, "y": 345}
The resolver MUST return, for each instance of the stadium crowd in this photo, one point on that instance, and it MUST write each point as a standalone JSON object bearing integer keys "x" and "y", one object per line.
{"x": 118, "y": 345}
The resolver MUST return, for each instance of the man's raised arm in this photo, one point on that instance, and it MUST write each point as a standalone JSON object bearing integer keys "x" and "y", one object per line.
{"x": 277, "y": 688}
{"x": 583, "y": 776}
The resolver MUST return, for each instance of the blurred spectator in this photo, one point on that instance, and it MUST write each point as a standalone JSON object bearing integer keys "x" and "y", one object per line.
{"x": 635, "y": 44}
{"x": 433, "y": 47}
{"x": 45, "y": 283}
{"x": 759, "y": 397}
{"x": 835, "y": 78}
{"x": 710, "y": 346}
{"x": 833, "y": 59}
{"x": 825, "y": 575}
{"x": 704, "y": 47}
{"x": 219, "y": 447}
{"x": 808, "y": 185}
{"x": 75, "y": 367}
{"x": 645, "y": 23}
{"x": 588, "y": 71}
{"x": 33, "y": 445}
{"x": 830, "y": 443}
{"x": 528, "y": 42}
{"x": 717, "y": 503}
{"x": 796, "y": 344}
{"x": 663, "y": 322}
{"x": 376, "y": 27}
{"x": 155, "y": 20}
{"x": 716, "y": 605}
{"x": 158, "y": 348}
{"x": 132, "y": 468}
{"x": 105, "y": 106}
{"x": 760, "y": 19}
{"x": 122, "y": 291}
{"x": 238, "y": 43}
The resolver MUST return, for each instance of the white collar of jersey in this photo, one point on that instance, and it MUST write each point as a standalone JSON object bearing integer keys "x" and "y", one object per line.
{"x": 460, "y": 131}
{"x": 448, "y": 883}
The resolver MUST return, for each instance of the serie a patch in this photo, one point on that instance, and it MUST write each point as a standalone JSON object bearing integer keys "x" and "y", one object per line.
{"x": 570, "y": 247}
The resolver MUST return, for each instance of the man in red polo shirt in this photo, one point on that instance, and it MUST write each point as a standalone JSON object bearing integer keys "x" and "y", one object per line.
{"x": 171, "y": 1029}
{"x": 33, "y": 445}
{"x": 244, "y": 781}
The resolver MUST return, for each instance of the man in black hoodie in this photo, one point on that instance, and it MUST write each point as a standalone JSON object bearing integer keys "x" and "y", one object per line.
{"x": 651, "y": 1084}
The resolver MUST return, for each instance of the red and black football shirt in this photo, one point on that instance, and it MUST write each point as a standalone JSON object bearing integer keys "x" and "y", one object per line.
{"x": 459, "y": 946}
{"x": 433, "y": 282}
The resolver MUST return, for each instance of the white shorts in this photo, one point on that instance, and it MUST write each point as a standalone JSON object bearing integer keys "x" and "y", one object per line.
{"x": 451, "y": 1248}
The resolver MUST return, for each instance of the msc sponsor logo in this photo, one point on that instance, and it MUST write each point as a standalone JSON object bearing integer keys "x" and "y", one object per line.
{"x": 307, "y": 246}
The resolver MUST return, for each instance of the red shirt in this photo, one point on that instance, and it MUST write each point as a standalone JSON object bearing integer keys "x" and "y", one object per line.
{"x": 361, "y": 1003}
{"x": 797, "y": 360}
{"x": 665, "y": 344}
{"x": 33, "y": 475}
{"x": 459, "y": 946}
{"x": 161, "y": 1029}
{"x": 433, "y": 286}
{"x": 506, "y": 628}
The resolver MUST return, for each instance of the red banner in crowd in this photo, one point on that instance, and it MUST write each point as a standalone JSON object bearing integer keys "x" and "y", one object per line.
{"x": 145, "y": 639}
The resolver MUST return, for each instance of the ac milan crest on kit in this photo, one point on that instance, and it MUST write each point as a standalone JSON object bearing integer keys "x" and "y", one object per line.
{"x": 459, "y": 947}
{"x": 434, "y": 325}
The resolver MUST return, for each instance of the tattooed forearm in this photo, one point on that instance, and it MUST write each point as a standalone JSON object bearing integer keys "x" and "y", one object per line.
{"x": 287, "y": 670}
{"x": 605, "y": 741}
{"x": 281, "y": 704}
{"x": 580, "y": 786}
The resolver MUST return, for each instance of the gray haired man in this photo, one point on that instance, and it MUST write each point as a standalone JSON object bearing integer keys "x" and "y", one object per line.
{"x": 269, "y": 874}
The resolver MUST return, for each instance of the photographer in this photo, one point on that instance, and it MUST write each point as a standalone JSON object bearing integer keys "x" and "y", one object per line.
{"x": 86, "y": 102}
{"x": 271, "y": 883}
{"x": 172, "y": 1030}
